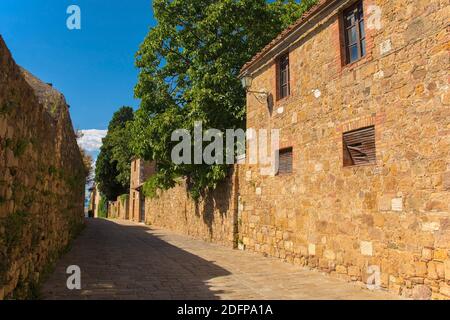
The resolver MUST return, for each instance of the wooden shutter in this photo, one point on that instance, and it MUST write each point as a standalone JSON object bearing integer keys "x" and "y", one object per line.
{"x": 285, "y": 163}
{"x": 359, "y": 146}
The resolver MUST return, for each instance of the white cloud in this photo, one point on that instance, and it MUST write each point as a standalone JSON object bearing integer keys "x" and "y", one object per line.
{"x": 91, "y": 140}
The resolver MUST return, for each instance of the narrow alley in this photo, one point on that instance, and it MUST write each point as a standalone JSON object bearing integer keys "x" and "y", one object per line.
{"x": 125, "y": 260}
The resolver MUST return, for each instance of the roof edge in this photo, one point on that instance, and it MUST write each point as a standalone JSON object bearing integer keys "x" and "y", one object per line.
{"x": 281, "y": 38}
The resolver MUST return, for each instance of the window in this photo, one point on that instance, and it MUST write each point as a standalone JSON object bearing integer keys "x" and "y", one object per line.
{"x": 283, "y": 76}
{"x": 359, "y": 147}
{"x": 355, "y": 36}
{"x": 285, "y": 162}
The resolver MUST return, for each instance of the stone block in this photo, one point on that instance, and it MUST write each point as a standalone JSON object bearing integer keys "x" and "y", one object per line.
{"x": 341, "y": 269}
{"x": 384, "y": 203}
{"x": 447, "y": 270}
{"x": 432, "y": 271}
{"x": 385, "y": 46}
{"x": 366, "y": 248}
{"x": 397, "y": 204}
{"x": 446, "y": 180}
{"x": 329, "y": 254}
{"x": 312, "y": 249}
{"x": 445, "y": 290}
{"x": 430, "y": 226}
{"x": 354, "y": 271}
{"x": 440, "y": 254}
{"x": 421, "y": 269}
{"x": 421, "y": 292}
{"x": 427, "y": 254}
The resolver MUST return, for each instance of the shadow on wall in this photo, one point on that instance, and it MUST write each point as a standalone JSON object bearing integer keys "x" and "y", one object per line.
{"x": 132, "y": 262}
{"x": 217, "y": 201}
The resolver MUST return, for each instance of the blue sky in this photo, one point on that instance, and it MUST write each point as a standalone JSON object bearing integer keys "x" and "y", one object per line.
{"x": 93, "y": 67}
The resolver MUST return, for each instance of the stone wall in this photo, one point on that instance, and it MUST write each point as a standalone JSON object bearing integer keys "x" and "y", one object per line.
{"x": 41, "y": 179}
{"x": 120, "y": 208}
{"x": 213, "y": 218}
{"x": 395, "y": 214}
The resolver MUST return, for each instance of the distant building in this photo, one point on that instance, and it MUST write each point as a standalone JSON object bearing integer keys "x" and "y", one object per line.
{"x": 95, "y": 201}
{"x": 140, "y": 171}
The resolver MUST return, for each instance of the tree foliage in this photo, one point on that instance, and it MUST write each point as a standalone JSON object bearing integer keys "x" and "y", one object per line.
{"x": 112, "y": 172}
{"x": 189, "y": 65}
{"x": 88, "y": 162}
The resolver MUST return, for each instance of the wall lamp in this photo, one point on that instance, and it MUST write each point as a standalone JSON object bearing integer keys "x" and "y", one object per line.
{"x": 247, "y": 81}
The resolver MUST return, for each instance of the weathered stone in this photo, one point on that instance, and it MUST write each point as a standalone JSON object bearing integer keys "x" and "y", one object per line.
{"x": 446, "y": 180}
{"x": 397, "y": 204}
{"x": 341, "y": 269}
{"x": 420, "y": 269}
{"x": 440, "y": 254}
{"x": 384, "y": 204}
{"x": 354, "y": 271}
{"x": 329, "y": 254}
{"x": 427, "y": 254}
{"x": 421, "y": 292}
{"x": 445, "y": 290}
{"x": 447, "y": 270}
{"x": 312, "y": 249}
{"x": 366, "y": 248}
{"x": 432, "y": 270}
{"x": 430, "y": 226}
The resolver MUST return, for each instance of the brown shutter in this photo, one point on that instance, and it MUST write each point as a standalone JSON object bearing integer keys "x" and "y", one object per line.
{"x": 359, "y": 146}
{"x": 285, "y": 163}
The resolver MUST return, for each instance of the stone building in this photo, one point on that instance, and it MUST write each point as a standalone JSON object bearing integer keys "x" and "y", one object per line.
{"x": 360, "y": 93}
{"x": 140, "y": 171}
{"x": 94, "y": 202}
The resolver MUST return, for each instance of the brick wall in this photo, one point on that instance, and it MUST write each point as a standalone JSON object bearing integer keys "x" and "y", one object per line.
{"x": 41, "y": 179}
{"x": 394, "y": 214}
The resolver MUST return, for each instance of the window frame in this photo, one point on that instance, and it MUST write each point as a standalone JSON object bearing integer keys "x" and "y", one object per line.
{"x": 356, "y": 9}
{"x": 283, "y": 65}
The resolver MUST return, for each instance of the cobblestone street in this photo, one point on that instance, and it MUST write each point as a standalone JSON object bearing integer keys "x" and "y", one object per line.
{"x": 125, "y": 260}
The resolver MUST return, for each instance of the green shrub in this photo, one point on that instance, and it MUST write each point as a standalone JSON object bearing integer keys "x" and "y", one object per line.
{"x": 20, "y": 147}
{"x": 123, "y": 198}
{"x": 103, "y": 208}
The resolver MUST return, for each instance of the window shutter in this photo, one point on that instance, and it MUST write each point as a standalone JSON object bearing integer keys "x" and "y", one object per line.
{"x": 285, "y": 163}
{"x": 359, "y": 146}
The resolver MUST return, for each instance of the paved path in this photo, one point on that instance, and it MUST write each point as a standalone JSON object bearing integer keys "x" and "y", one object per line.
{"x": 125, "y": 260}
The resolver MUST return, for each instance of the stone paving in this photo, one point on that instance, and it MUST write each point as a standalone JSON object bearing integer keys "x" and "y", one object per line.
{"x": 124, "y": 260}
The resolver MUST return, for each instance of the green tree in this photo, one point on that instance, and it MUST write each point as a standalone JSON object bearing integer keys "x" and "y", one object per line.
{"x": 112, "y": 172}
{"x": 189, "y": 65}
